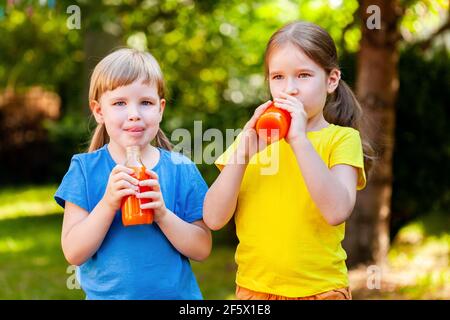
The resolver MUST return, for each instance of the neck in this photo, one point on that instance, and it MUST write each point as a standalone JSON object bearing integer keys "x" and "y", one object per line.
{"x": 119, "y": 153}
{"x": 316, "y": 122}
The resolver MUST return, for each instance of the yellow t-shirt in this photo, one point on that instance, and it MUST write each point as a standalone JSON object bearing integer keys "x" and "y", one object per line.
{"x": 285, "y": 245}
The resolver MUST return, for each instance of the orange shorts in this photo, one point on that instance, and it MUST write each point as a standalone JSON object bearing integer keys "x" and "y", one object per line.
{"x": 337, "y": 294}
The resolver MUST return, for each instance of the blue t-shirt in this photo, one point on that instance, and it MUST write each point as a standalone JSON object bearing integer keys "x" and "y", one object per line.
{"x": 136, "y": 262}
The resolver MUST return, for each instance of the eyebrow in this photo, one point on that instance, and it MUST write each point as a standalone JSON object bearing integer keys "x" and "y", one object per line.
{"x": 297, "y": 70}
{"x": 142, "y": 98}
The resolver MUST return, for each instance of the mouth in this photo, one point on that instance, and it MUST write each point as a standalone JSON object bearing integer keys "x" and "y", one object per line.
{"x": 135, "y": 131}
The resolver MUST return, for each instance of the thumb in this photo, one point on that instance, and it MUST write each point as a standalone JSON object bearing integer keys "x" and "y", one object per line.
{"x": 258, "y": 112}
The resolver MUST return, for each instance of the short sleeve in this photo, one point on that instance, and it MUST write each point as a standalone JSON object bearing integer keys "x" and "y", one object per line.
{"x": 192, "y": 194}
{"x": 223, "y": 159}
{"x": 347, "y": 149}
{"x": 73, "y": 186}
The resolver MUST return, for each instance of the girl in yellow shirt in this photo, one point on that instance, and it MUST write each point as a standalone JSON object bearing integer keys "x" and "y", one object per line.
{"x": 290, "y": 222}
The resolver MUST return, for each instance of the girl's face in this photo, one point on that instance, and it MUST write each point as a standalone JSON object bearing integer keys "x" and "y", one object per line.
{"x": 293, "y": 72}
{"x": 131, "y": 113}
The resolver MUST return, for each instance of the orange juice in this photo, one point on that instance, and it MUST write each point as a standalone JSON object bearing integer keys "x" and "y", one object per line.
{"x": 132, "y": 214}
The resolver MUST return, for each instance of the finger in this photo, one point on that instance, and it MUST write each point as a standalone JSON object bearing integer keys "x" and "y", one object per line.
{"x": 293, "y": 100}
{"x": 258, "y": 112}
{"x": 151, "y": 205}
{"x": 120, "y": 168}
{"x": 263, "y": 107}
{"x": 285, "y": 101}
{"x": 286, "y": 107}
{"x": 286, "y": 96}
{"x": 293, "y": 110}
{"x": 123, "y": 184}
{"x": 126, "y": 192}
{"x": 150, "y": 183}
{"x": 124, "y": 176}
{"x": 149, "y": 195}
{"x": 152, "y": 174}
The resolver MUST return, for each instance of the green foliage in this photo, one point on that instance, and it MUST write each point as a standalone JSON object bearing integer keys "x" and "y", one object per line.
{"x": 37, "y": 48}
{"x": 422, "y": 147}
{"x": 211, "y": 54}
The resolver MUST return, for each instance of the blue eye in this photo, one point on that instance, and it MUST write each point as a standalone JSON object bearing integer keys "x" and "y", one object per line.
{"x": 119, "y": 103}
{"x": 147, "y": 103}
{"x": 304, "y": 75}
{"x": 277, "y": 77}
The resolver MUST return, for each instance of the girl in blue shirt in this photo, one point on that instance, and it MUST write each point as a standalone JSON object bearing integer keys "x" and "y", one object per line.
{"x": 149, "y": 261}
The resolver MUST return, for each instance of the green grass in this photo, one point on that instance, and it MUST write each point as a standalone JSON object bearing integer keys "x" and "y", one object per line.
{"x": 423, "y": 248}
{"x": 27, "y": 201}
{"x": 33, "y": 266}
{"x": 216, "y": 275}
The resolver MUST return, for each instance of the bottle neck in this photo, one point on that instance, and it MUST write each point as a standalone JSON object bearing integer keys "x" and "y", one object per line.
{"x": 133, "y": 157}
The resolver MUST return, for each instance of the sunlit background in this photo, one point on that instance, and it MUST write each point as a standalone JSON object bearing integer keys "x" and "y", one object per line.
{"x": 211, "y": 53}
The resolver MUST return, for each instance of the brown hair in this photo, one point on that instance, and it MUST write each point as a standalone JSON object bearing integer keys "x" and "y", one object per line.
{"x": 120, "y": 68}
{"x": 341, "y": 108}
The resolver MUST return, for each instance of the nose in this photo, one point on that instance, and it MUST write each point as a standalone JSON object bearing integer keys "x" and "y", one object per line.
{"x": 291, "y": 87}
{"x": 133, "y": 113}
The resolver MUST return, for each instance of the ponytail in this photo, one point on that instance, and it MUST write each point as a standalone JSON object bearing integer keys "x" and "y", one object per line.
{"x": 343, "y": 109}
{"x": 99, "y": 138}
{"x": 162, "y": 141}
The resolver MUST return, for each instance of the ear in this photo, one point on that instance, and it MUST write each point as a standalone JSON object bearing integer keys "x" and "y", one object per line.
{"x": 333, "y": 80}
{"x": 96, "y": 111}
{"x": 162, "y": 106}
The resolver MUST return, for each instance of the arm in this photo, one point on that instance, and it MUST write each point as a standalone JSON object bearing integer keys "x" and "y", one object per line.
{"x": 332, "y": 190}
{"x": 193, "y": 240}
{"x": 83, "y": 233}
{"x": 221, "y": 199}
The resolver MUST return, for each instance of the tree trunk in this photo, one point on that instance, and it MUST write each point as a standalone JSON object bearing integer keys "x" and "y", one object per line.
{"x": 367, "y": 234}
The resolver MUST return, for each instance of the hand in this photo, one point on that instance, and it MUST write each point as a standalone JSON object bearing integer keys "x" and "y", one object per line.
{"x": 250, "y": 143}
{"x": 299, "y": 118}
{"x": 120, "y": 184}
{"x": 157, "y": 200}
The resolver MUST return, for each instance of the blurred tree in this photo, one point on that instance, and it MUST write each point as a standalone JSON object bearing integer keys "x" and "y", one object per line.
{"x": 377, "y": 87}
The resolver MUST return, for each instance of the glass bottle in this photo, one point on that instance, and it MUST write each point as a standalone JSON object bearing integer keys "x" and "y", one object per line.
{"x": 132, "y": 214}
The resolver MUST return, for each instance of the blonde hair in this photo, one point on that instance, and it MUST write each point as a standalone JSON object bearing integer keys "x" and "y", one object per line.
{"x": 341, "y": 108}
{"x": 120, "y": 68}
